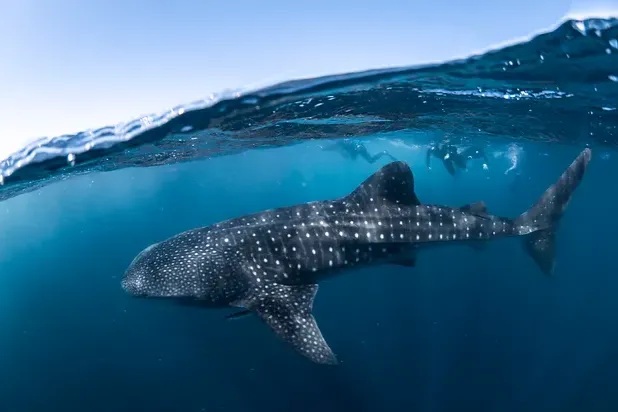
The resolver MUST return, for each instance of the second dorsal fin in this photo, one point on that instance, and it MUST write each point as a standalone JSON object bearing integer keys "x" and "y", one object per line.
{"x": 393, "y": 183}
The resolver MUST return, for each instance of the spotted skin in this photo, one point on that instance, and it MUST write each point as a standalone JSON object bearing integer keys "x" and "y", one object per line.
{"x": 270, "y": 263}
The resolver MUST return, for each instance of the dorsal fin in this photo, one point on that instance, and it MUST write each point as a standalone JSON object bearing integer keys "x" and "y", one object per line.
{"x": 393, "y": 183}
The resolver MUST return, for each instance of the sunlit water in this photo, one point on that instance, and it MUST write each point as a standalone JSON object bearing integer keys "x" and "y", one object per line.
{"x": 463, "y": 330}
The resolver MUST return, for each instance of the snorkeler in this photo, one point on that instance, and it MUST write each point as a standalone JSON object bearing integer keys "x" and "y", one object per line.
{"x": 452, "y": 158}
{"x": 352, "y": 150}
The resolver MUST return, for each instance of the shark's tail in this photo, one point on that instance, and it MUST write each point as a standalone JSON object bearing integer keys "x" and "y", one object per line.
{"x": 539, "y": 223}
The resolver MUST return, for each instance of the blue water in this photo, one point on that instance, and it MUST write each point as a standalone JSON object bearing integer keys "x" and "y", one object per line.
{"x": 463, "y": 330}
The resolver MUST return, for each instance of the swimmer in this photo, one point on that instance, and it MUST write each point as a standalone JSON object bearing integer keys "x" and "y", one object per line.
{"x": 351, "y": 149}
{"x": 452, "y": 158}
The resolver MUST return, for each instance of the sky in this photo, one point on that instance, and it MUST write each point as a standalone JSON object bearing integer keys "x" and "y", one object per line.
{"x": 71, "y": 65}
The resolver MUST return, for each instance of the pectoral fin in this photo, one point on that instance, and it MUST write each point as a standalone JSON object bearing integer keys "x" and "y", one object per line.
{"x": 478, "y": 246}
{"x": 287, "y": 310}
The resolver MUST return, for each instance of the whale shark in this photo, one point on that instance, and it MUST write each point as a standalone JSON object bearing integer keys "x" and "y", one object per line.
{"x": 270, "y": 263}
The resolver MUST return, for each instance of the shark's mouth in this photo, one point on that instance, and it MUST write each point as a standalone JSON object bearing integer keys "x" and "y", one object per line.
{"x": 133, "y": 284}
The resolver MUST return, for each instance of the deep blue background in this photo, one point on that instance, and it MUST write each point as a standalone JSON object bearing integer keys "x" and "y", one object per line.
{"x": 463, "y": 331}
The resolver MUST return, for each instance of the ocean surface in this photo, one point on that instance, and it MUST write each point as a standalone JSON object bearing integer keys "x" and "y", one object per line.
{"x": 464, "y": 330}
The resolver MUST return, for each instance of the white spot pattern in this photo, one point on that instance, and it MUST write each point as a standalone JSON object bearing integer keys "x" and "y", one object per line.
{"x": 221, "y": 264}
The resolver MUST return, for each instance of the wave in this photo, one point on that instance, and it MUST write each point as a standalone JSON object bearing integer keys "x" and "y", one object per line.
{"x": 558, "y": 86}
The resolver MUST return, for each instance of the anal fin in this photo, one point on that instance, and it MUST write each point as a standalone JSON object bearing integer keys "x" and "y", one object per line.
{"x": 406, "y": 261}
{"x": 238, "y": 314}
{"x": 287, "y": 310}
{"x": 477, "y": 245}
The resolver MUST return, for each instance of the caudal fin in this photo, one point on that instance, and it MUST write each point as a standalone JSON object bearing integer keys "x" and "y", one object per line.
{"x": 539, "y": 223}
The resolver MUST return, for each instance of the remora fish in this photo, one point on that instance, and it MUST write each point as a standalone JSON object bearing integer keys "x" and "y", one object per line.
{"x": 270, "y": 263}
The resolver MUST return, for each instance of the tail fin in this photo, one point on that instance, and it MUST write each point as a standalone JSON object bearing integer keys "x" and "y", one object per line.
{"x": 540, "y": 222}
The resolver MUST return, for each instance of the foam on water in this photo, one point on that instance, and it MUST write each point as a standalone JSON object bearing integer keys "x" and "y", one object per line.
{"x": 558, "y": 86}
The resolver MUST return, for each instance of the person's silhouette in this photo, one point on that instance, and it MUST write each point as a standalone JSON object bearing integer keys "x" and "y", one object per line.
{"x": 351, "y": 149}
{"x": 452, "y": 158}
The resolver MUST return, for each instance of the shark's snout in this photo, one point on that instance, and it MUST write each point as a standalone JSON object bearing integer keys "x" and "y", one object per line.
{"x": 134, "y": 280}
{"x": 133, "y": 284}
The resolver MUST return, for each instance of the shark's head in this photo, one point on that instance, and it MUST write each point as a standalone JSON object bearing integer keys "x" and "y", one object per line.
{"x": 141, "y": 277}
{"x": 181, "y": 267}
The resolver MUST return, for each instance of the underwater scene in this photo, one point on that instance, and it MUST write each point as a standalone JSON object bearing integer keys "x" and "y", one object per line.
{"x": 428, "y": 238}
